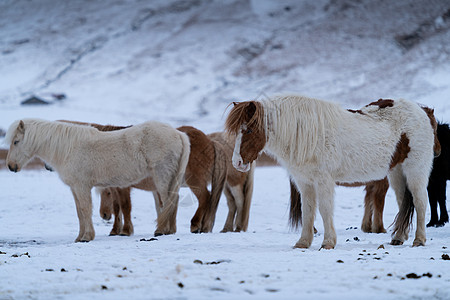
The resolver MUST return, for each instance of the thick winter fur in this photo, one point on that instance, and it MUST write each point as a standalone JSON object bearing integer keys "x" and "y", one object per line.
{"x": 85, "y": 157}
{"x": 202, "y": 168}
{"x": 376, "y": 190}
{"x": 320, "y": 143}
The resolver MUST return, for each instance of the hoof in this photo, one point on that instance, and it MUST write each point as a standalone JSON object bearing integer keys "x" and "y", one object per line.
{"x": 418, "y": 243}
{"x": 301, "y": 245}
{"x": 158, "y": 234}
{"x": 81, "y": 241}
{"x": 432, "y": 224}
{"x": 396, "y": 243}
{"x": 379, "y": 230}
{"x": 196, "y": 231}
{"x": 326, "y": 247}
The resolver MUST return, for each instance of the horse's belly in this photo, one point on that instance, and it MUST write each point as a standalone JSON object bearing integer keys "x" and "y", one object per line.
{"x": 349, "y": 175}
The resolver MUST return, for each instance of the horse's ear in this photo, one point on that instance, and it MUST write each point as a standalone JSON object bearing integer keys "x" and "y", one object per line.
{"x": 235, "y": 103}
{"x": 21, "y": 127}
{"x": 251, "y": 109}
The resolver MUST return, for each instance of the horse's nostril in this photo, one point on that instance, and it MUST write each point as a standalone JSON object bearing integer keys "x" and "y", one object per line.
{"x": 12, "y": 169}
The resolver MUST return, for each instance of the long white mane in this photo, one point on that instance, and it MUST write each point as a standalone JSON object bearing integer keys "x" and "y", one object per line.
{"x": 58, "y": 138}
{"x": 297, "y": 125}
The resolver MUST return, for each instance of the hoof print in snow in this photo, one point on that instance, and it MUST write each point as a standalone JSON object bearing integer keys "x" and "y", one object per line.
{"x": 272, "y": 290}
{"x": 49, "y": 270}
{"x": 380, "y": 247}
{"x": 340, "y": 261}
{"x": 198, "y": 261}
{"x": 180, "y": 285}
{"x": 445, "y": 257}
{"x": 104, "y": 287}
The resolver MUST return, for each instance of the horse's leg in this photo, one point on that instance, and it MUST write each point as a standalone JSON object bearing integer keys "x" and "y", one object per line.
{"x": 308, "y": 193}
{"x": 366, "y": 225}
{"x": 166, "y": 221}
{"x": 203, "y": 195}
{"x": 238, "y": 196}
{"x": 125, "y": 207}
{"x": 158, "y": 203}
{"x": 436, "y": 187}
{"x": 229, "y": 223}
{"x": 419, "y": 193}
{"x": 444, "y": 214}
{"x": 325, "y": 197}
{"x": 83, "y": 203}
{"x": 379, "y": 195}
{"x": 443, "y": 218}
{"x": 398, "y": 183}
{"x": 117, "y": 227}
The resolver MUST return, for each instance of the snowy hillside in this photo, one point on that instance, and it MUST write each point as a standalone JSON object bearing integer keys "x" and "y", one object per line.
{"x": 182, "y": 62}
{"x": 129, "y": 61}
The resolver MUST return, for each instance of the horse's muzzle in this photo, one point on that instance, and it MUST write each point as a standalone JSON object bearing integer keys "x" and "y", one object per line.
{"x": 106, "y": 217}
{"x": 13, "y": 168}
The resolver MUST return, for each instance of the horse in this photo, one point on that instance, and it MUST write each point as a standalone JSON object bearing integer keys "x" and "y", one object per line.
{"x": 85, "y": 157}
{"x": 320, "y": 143}
{"x": 209, "y": 162}
{"x": 376, "y": 191}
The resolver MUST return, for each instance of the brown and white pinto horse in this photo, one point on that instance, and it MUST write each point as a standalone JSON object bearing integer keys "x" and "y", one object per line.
{"x": 320, "y": 143}
{"x": 374, "y": 199}
{"x": 209, "y": 162}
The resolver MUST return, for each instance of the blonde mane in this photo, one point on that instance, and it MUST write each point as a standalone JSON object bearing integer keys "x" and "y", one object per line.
{"x": 297, "y": 125}
{"x": 58, "y": 138}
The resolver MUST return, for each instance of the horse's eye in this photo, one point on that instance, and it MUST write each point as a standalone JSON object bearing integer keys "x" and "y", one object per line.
{"x": 16, "y": 142}
{"x": 248, "y": 131}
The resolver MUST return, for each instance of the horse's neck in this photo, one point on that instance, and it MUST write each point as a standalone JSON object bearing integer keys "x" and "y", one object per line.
{"x": 55, "y": 147}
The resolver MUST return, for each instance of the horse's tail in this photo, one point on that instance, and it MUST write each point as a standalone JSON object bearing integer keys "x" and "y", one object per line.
{"x": 248, "y": 193}
{"x": 219, "y": 175}
{"x": 175, "y": 184}
{"x": 403, "y": 220}
{"x": 295, "y": 211}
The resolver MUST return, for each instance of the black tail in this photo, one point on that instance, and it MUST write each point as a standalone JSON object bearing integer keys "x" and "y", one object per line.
{"x": 295, "y": 212}
{"x": 403, "y": 220}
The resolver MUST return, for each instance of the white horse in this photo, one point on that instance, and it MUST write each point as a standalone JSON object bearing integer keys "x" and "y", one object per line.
{"x": 85, "y": 157}
{"x": 320, "y": 143}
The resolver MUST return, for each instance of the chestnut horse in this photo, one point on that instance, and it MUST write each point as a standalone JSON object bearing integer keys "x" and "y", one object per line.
{"x": 320, "y": 143}
{"x": 376, "y": 190}
{"x": 209, "y": 162}
{"x": 85, "y": 157}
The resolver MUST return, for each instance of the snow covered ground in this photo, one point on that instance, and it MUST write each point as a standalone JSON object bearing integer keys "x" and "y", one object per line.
{"x": 183, "y": 62}
{"x": 39, "y": 224}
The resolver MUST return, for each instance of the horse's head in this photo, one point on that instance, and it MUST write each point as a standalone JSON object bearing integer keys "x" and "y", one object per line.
{"x": 18, "y": 154}
{"x": 106, "y": 203}
{"x": 434, "y": 125}
{"x": 246, "y": 122}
